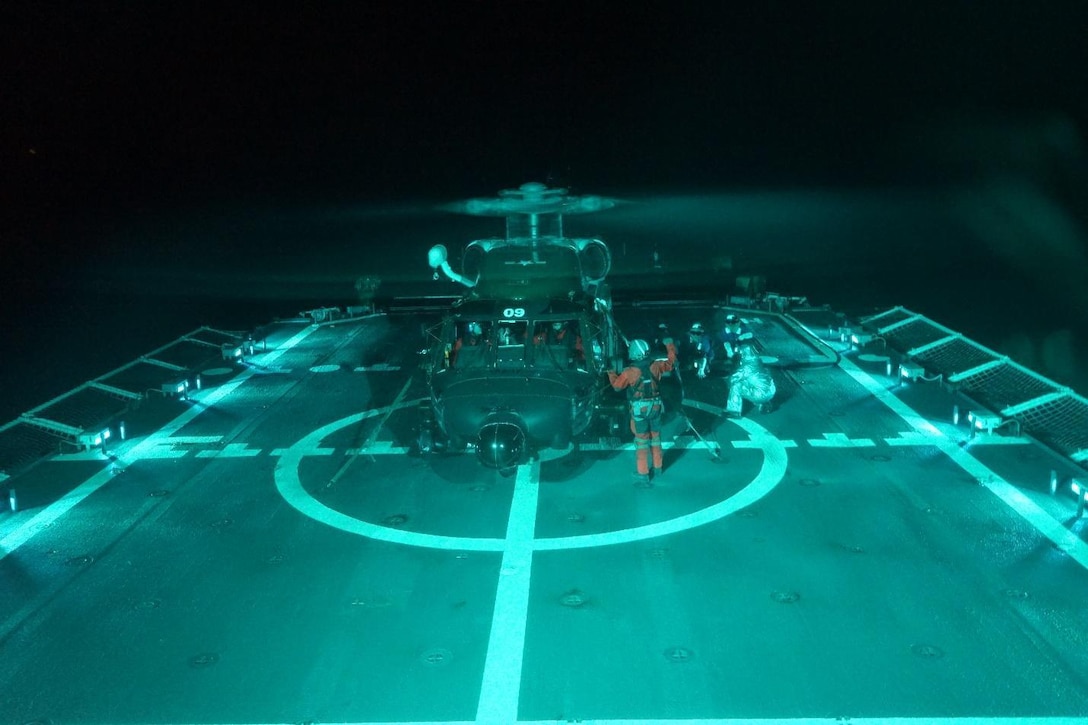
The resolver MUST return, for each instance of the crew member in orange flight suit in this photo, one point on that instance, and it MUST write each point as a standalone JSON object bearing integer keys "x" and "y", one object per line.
{"x": 560, "y": 333}
{"x": 641, "y": 379}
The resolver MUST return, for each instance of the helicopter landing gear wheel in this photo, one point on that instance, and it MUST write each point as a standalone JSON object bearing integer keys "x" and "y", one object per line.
{"x": 426, "y": 440}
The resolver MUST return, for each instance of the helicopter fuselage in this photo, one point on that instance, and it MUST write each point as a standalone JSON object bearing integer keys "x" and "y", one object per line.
{"x": 534, "y": 370}
{"x": 519, "y": 362}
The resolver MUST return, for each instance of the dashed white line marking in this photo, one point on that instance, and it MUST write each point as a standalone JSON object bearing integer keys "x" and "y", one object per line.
{"x": 231, "y": 450}
{"x": 840, "y": 440}
{"x": 380, "y": 448}
{"x": 760, "y": 442}
{"x": 913, "y": 438}
{"x": 195, "y": 439}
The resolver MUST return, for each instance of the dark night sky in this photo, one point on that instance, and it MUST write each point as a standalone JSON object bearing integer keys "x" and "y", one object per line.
{"x": 163, "y": 103}
{"x": 115, "y": 111}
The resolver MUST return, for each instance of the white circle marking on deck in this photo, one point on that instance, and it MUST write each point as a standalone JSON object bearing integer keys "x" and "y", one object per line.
{"x": 289, "y": 484}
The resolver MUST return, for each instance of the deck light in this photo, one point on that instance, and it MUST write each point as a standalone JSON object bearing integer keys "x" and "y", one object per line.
{"x": 911, "y": 371}
{"x": 984, "y": 420}
{"x": 90, "y": 440}
{"x": 860, "y": 339}
{"x": 176, "y": 387}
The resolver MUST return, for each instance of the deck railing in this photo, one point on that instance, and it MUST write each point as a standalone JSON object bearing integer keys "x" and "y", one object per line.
{"x": 1053, "y": 414}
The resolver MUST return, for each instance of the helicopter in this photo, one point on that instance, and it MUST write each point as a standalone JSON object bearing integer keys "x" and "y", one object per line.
{"x": 518, "y": 363}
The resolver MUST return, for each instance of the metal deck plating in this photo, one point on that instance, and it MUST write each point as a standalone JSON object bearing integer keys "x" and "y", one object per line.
{"x": 271, "y": 550}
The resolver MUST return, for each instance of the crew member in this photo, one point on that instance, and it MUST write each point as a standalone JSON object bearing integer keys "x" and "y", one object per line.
{"x": 641, "y": 379}
{"x": 560, "y": 333}
{"x": 511, "y": 333}
{"x": 752, "y": 381}
{"x": 735, "y": 335}
{"x": 702, "y": 349}
{"x": 473, "y": 335}
{"x": 659, "y": 341}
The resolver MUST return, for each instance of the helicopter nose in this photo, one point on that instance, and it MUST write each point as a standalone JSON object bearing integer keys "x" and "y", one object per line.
{"x": 501, "y": 444}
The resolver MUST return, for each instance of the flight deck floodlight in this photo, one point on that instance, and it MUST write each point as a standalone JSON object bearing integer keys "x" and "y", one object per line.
{"x": 911, "y": 371}
{"x": 89, "y": 439}
{"x": 231, "y": 351}
{"x": 179, "y": 388}
{"x": 860, "y": 339}
{"x": 984, "y": 420}
{"x": 1081, "y": 492}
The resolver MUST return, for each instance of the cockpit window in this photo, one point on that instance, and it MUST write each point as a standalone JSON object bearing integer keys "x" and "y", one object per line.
{"x": 472, "y": 330}
{"x": 510, "y": 333}
{"x": 555, "y": 332}
{"x": 558, "y": 344}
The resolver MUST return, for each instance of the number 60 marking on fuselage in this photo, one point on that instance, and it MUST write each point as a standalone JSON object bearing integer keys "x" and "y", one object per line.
{"x": 514, "y": 312}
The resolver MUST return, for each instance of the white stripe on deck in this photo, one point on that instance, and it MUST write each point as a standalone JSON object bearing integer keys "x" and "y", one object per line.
{"x": 968, "y": 720}
{"x": 158, "y": 439}
{"x": 1031, "y": 512}
{"x": 231, "y": 450}
{"x": 821, "y": 721}
{"x": 840, "y": 440}
{"x": 501, "y": 687}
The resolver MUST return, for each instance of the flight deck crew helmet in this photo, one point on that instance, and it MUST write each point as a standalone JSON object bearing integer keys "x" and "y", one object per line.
{"x": 474, "y": 328}
{"x": 731, "y": 319}
{"x": 696, "y": 329}
{"x": 638, "y": 349}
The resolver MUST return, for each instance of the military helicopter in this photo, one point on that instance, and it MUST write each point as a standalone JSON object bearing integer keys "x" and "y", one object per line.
{"x": 518, "y": 362}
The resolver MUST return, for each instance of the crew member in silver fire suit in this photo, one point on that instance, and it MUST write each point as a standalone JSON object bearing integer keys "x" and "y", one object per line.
{"x": 751, "y": 381}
